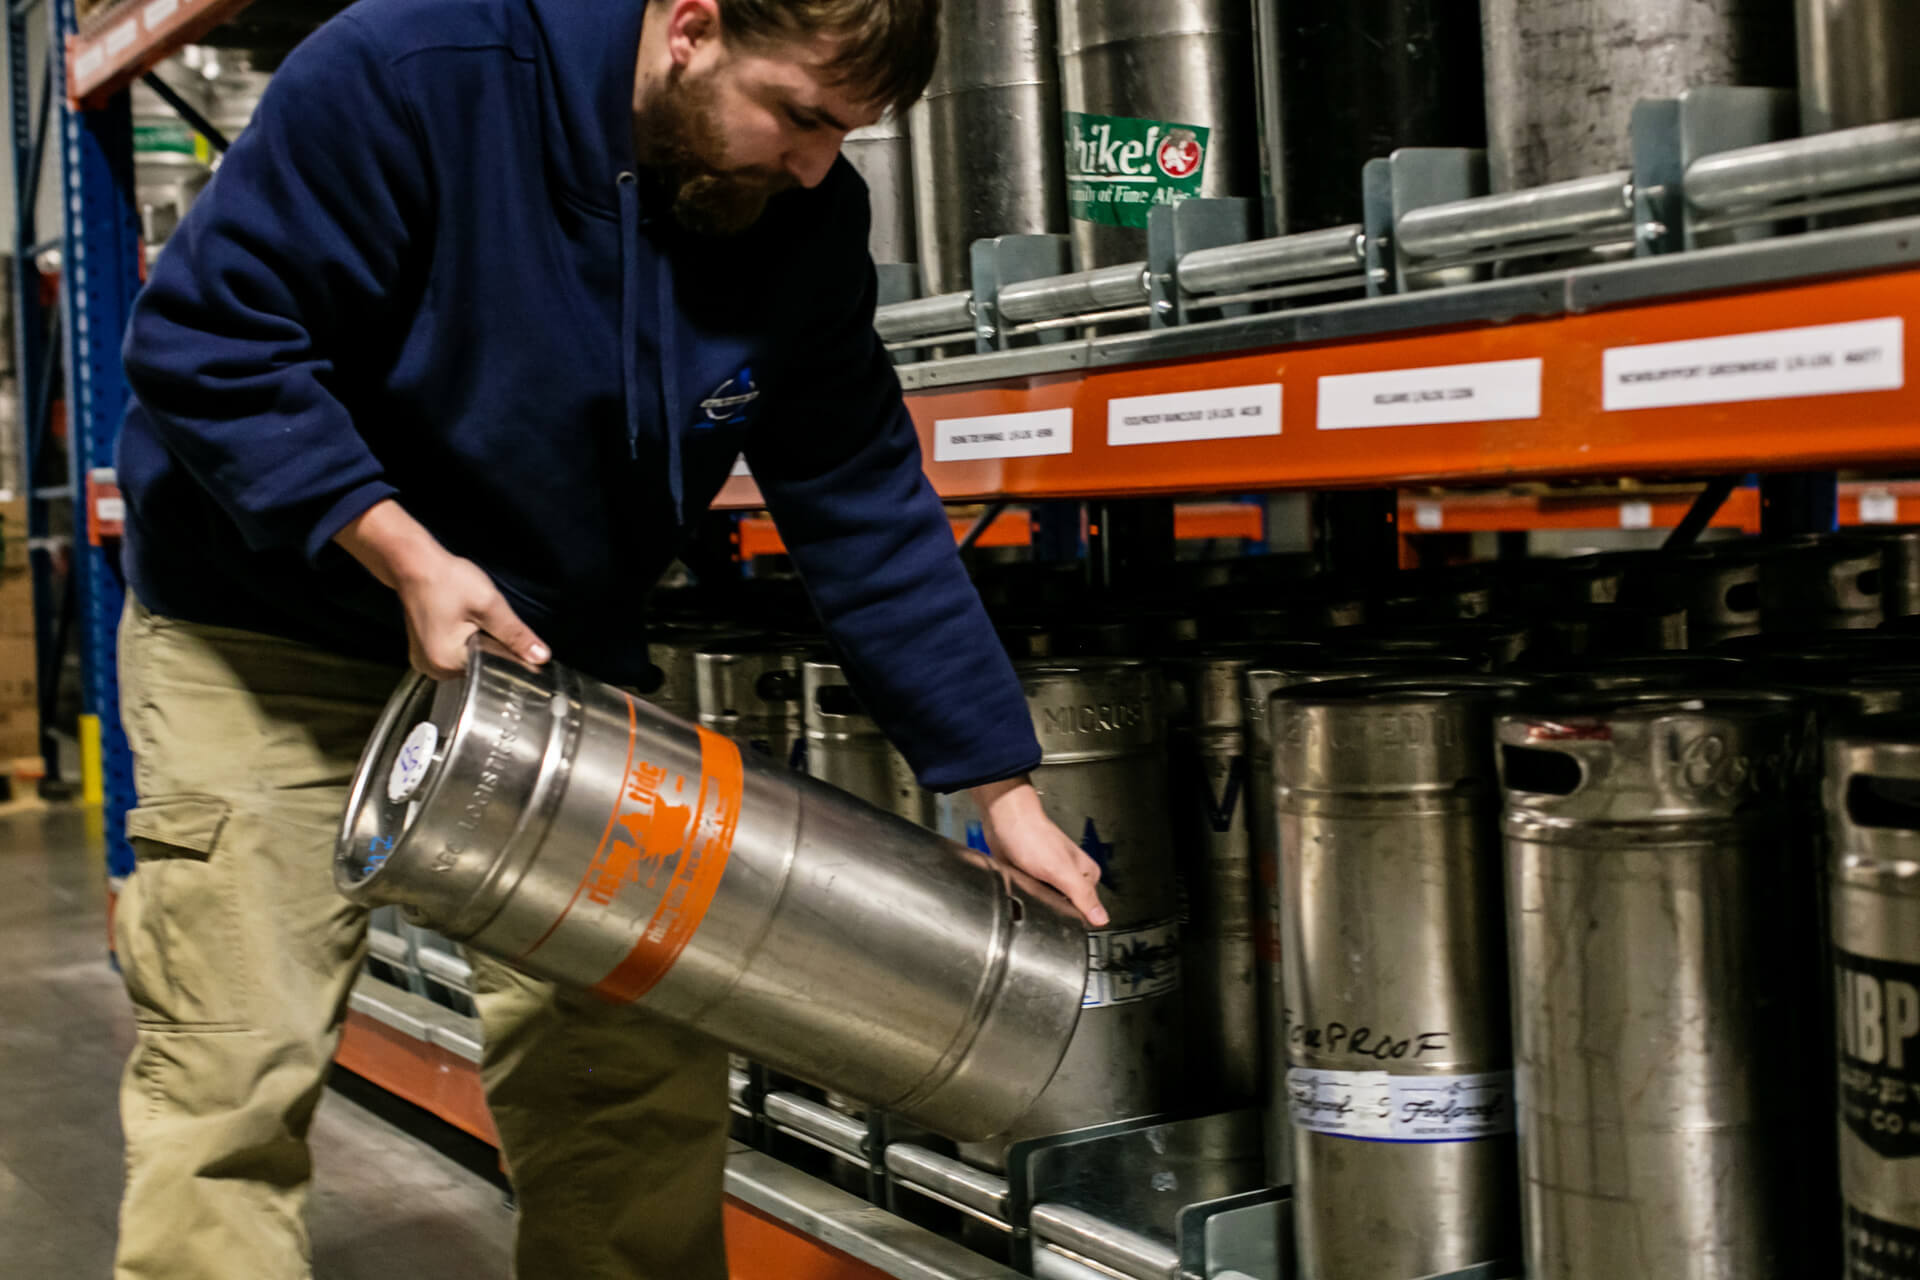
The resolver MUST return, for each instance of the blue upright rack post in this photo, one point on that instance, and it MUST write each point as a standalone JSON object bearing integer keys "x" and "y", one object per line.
{"x": 101, "y": 275}
{"x": 31, "y": 99}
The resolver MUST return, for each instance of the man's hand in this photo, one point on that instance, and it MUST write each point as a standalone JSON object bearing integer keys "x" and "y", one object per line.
{"x": 1021, "y": 835}
{"x": 448, "y": 600}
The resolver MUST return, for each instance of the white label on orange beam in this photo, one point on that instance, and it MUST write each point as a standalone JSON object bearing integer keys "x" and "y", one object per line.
{"x": 1428, "y": 515}
{"x": 158, "y": 12}
{"x": 89, "y": 62}
{"x": 1822, "y": 360}
{"x": 121, "y": 38}
{"x": 1636, "y": 515}
{"x": 1003, "y": 435}
{"x": 1877, "y": 506}
{"x": 1223, "y": 413}
{"x": 740, "y": 467}
{"x": 1496, "y": 391}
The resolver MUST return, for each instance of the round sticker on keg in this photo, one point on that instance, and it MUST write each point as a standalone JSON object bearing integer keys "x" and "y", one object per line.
{"x": 410, "y": 766}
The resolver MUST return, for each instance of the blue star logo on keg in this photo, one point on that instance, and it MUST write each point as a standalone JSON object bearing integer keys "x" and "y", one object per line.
{"x": 1101, "y": 851}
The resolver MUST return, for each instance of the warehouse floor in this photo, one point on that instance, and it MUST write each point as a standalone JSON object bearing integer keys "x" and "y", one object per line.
{"x": 397, "y": 1193}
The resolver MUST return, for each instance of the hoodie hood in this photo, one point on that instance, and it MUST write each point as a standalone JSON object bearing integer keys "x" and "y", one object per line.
{"x": 587, "y": 52}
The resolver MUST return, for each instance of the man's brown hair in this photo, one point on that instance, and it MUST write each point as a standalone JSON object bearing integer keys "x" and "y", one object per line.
{"x": 888, "y": 46}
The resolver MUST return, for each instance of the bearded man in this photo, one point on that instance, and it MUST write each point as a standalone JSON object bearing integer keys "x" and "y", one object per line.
{"x": 472, "y": 322}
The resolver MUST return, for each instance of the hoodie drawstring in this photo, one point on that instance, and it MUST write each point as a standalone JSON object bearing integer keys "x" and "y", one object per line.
{"x": 629, "y": 344}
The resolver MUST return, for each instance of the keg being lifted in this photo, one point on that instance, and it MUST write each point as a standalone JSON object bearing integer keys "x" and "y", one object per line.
{"x": 585, "y": 836}
{"x": 1659, "y": 914}
{"x": 1159, "y": 107}
{"x": 1103, "y": 779}
{"x": 1399, "y": 1080}
{"x": 1873, "y": 816}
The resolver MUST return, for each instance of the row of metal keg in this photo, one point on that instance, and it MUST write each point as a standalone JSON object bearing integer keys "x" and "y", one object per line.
{"x": 1301, "y": 825}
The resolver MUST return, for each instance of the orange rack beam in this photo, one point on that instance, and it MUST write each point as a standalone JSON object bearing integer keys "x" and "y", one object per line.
{"x": 1573, "y": 436}
{"x": 116, "y": 47}
{"x": 1191, "y": 520}
{"x": 1862, "y": 502}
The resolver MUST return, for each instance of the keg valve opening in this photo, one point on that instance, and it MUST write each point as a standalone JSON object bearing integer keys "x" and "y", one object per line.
{"x": 1540, "y": 771}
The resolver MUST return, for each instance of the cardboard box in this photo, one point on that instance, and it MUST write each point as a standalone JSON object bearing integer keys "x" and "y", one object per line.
{"x": 13, "y": 535}
{"x": 17, "y": 683}
{"x": 16, "y": 603}
{"x": 19, "y": 734}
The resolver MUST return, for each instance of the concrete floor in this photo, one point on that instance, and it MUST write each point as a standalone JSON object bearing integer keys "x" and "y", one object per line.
{"x": 396, "y": 1192}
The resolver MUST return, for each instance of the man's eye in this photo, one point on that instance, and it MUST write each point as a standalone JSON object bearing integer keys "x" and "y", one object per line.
{"x": 804, "y": 123}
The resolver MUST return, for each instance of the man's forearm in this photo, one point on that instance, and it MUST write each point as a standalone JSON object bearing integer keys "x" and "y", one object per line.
{"x": 393, "y": 546}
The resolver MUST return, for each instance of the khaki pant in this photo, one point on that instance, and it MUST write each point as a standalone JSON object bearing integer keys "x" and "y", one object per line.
{"x": 239, "y": 956}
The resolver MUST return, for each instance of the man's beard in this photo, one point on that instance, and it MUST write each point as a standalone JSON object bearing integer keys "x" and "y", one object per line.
{"x": 677, "y": 135}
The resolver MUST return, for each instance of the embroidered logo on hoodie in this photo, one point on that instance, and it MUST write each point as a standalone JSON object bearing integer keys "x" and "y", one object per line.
{"x": 729, "y": 402}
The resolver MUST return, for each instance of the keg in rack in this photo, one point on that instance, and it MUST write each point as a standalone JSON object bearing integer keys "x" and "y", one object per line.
{"x": 1659, "y": 912}
{"x": 589, "y": 838}
{"x": 1159, "y": 106}
{"x": 1855, "y": 64}
{"x": 846, "y": 748}
{"x": 749, "y": 689}
{"x": 1899, "y": 567}
{"x": 671, "y": 648}
{"x": 882, "y": 155}
{"x": 1719, "y": 587}
{"x": 1103, "y": 780}
{"x": 1820, "y": 583}
{"x": 1562, "y": 78}
{"x": 1873, "y": 816}
{"x": 986, "y": 137}
{"x": 1399, "y": 1080}
{"x": 1211, "y": 792}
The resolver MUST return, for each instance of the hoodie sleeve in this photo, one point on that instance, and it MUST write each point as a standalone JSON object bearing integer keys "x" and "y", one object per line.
{"x": 287, "y": 254}
{"x": 838, "y": 463}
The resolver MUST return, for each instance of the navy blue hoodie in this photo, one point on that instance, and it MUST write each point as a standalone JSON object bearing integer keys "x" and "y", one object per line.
{"x": 425, "y": 271}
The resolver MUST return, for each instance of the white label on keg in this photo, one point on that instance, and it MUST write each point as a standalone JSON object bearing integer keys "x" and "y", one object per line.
{"x": 1636, "y": 515}
{"x": 1428, "y": 515}
{"x": 1821, "y": 360}
{"x": 1224, "y": 413}
{"x": 1877, "y": 506}
{"x": 416, "y": 753}
{"x": 1384, "y": 1107}
{"x": 1125, "y": 965}
{"x": 1495, "y": 391}
{"x": 1003, "y": 435}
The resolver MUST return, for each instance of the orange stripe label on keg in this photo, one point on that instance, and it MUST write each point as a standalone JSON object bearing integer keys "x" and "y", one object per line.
{"x": 674, "y": 831}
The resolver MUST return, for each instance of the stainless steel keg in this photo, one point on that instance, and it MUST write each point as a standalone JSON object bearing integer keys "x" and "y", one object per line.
{"x": 1899, "y": 567}
{"x": 845, "y": 747}
{"x": 1399, "y": 1076}
{"x": 1657, "y": 884}
{"x": 986, "y": 137}
{"x": 1856, "y": 65}
{"x": 883, "y": 156}
{"x": 671, "y": 648}
{"x": 587, "y": 837}
{"x": 1103, "y": 780}
{"x": 1159, "y": 107}
{"x": 1718, "y": 587}
{"x": 1211, "y": 793}
{"x": 749, "y": 689}
{"x": 1563, "y": 75}
{"x": 1819, "y": 582}
{"x": 1283, "y": 667}
{"x": 1873, "y": 817}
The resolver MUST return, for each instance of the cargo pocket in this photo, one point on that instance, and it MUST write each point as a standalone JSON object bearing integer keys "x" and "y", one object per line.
{"x": 178, "y": 927}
